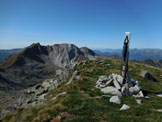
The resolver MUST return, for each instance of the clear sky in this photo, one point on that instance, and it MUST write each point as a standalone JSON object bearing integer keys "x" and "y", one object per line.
{"x": 91, "y": 23}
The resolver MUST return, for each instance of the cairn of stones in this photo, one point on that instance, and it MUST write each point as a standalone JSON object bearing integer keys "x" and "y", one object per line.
{"x": 121, "y": 85}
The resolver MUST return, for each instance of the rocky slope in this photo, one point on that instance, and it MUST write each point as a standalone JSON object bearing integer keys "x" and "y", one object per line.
{"x": 157, "y": 63}
{"x": 78, "y": 99}
{"x": 33, "y": 65}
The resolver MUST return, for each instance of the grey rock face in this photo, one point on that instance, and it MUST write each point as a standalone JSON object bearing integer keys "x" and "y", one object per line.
{"x": 39, "y": 63}
{"x": 88, "y": 53}
{"x": 37, "y": 93}
{"x": 115, "y": 99}
{"x": 147, "y": 76}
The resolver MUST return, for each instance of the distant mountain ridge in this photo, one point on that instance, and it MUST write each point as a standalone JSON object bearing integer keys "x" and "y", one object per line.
{"x": 135, "y": 54}
{"x": 5, "y": 53}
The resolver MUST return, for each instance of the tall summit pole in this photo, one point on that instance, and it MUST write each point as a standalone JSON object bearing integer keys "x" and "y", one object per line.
{"x": 125, "y": 59}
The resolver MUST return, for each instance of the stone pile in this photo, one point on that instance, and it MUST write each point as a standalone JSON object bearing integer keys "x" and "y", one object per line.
{"x": 114, "y": 85}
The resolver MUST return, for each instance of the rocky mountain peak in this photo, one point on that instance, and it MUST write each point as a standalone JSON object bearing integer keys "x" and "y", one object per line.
{"x": 35, "y": 63}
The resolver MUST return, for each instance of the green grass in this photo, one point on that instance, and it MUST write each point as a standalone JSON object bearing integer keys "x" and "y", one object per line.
{"x": 81, "y": 105}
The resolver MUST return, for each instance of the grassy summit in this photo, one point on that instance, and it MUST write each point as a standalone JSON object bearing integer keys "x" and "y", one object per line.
{"x": 84, "y": 102}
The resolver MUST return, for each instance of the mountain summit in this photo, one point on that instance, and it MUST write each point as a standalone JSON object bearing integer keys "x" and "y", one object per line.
{"x": 35, "y": 63}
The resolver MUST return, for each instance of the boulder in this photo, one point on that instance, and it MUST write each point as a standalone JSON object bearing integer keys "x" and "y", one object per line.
{"x": 116, "y": 84}
{"x": 135, "y": 90}
{"x": 115, "y": 99}
{"x": 124, "y": 107}
{"x": 111, "y": 90}
{"x": 125, "y": 90}
{"x": 147, "y": 76}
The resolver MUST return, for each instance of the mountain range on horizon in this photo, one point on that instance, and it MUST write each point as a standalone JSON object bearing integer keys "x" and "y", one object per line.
{"x": 135, "y": 53}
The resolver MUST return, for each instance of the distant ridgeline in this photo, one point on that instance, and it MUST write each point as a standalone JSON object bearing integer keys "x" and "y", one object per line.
{"x": 151, "y": 57}
{"x": 5, "y": 53}
{"x": 135, "y": 54}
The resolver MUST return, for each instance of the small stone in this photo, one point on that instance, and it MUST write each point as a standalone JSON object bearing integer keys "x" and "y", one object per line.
{"x": 139, "y": 101}
{"x": 42, "y": 97}
{"x": 115, "y": 99}
{"x": 124, "y": 107}
{"x": 159, "y": 110}
{"x": 147, "y": 97}
{"x": 159, "y": 95}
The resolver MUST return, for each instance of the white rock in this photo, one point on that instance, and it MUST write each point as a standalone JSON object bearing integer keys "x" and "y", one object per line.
{"x": 125, "y": 90}
{"x": 147, "y": 97}
{"x": 137, "y": 88}
{"x": 131, "y": 90}
{"x": 103, "y": 78}
{"x": 115, "y": 99}
{"x": 159, "y": 95}
{"x": 138, "y": 101}
{"x": 42, "y": 97}
{"x": 124, "y": 107}
{"x": 120, "y": 79}
{"x": 139, "y": 95}
{"x": 109, "y": 83}
{"x": 116, "y": 84}
{"x": 111, "y": 90}
{"x": 159, "y": 110}
{"x": 102, "y": 86}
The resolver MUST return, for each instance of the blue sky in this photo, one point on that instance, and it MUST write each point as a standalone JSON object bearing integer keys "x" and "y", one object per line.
{"x": 91, "y": 23}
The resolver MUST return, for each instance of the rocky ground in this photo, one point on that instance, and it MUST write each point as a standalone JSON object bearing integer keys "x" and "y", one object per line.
{"x": 78, "y": 99}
